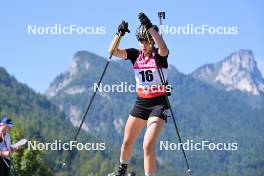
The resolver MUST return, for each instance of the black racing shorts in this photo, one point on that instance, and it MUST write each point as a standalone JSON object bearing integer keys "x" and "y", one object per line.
{"x": 150, "y": 107}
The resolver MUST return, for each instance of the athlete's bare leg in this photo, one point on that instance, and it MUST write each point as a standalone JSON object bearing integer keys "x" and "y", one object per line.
{"x": 154, "y": 127}
{"x": 132, "y": 130}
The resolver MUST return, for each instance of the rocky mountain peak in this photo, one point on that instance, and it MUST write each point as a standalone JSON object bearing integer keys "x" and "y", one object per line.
{"x": 238, "y": 71}
{"x": 80, "y": 63}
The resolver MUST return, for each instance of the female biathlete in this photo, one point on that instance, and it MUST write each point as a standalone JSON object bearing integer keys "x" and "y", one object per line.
{"x": 150, "y": 106}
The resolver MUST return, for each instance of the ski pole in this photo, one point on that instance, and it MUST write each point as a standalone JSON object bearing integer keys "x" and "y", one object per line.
{"x": 161, "y": 16}
{"x": 99, "y": 82}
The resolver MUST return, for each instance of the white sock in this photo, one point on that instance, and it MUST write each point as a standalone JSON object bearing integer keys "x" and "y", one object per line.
{"x": 124, "y": 161}
{"x": 149, "y": 174}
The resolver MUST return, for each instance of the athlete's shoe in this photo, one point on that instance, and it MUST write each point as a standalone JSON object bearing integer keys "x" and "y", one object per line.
{"x": 120, "y": 172}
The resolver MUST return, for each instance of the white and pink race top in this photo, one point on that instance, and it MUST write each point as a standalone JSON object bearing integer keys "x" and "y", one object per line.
{"x": 147, "y": 77}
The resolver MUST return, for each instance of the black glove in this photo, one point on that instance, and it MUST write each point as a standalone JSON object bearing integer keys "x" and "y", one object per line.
{"x": 123, "y": 28}
{"x": 144, "y": 20}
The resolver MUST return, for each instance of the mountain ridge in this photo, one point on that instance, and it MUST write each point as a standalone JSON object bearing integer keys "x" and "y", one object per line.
{"x": 238, "y": 71}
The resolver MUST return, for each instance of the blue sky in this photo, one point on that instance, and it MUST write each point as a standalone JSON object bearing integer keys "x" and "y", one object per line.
{"x": 37, "y": 59}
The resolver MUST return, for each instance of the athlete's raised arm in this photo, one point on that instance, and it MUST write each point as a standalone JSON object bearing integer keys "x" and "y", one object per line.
{"x": 163, "y": 50}
{"x": 119, "y": 52}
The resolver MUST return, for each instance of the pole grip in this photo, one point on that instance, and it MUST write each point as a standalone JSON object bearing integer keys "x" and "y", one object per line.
{"x": 161, "y": 15}
{"x": 117, "y": 42}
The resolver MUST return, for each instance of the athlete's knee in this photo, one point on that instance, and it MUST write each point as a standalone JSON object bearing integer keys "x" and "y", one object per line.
{"x": 149, "y": 148}
{"x": 127, "y": 144}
